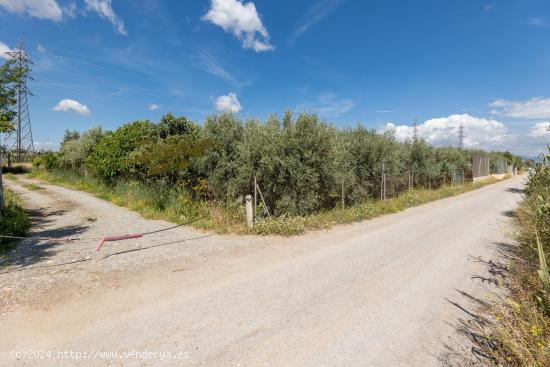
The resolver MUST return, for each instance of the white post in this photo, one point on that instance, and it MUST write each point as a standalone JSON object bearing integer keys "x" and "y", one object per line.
{"x": 249, "y": 211}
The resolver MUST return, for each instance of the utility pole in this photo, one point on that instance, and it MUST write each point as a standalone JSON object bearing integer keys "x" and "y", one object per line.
{"x": 20, "y": 140}
{"x": 415, "y": 131}
{"x": 461, "y": 136}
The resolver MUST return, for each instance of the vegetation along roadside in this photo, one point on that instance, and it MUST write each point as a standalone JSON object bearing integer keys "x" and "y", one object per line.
{"x": 311, "y": 174}
{"x": 513, "y": 328}
{"x": 13, "y": 220}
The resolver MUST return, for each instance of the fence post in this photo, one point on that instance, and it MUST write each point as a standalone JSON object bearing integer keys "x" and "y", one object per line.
{"x": 249, "y": 211}
{"x": 255, "y": 196}
{"x": 343, "y": 197}
{"x": 383, "y": 183}
{"x": 452, "y": 176}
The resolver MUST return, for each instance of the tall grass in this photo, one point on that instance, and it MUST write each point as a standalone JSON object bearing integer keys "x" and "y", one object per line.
{"x": 154, "y": 201}
{"x": 13, "y": 220}
{"x": 515, "y": 330}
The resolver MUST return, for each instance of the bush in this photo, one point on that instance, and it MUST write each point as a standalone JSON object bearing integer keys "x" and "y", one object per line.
{"x": 13, "y": 220}
{"x": 16, "y": 170}
{"x": 76, "y": 147}
{"x": 517, "y": 331}
{"x": 50, "y": 160}
{"x": 109, "y": 158}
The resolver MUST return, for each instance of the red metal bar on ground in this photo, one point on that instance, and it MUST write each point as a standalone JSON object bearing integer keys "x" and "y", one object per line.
{"x": 116, "y": 238}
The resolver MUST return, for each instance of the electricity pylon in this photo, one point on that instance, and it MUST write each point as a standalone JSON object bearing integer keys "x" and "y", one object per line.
{"x": 461, "y": 136}
{"x": 19, "y": 141}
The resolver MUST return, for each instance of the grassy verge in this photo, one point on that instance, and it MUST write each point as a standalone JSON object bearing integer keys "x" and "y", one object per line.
{"x": 175, "y": 205}
{"x": 33, "y": 187}
{"x": 516, "y": 327}
{"x": 153, "y": 202}
{"x": 13, "y": 220}
{"x": 367, "y": 210}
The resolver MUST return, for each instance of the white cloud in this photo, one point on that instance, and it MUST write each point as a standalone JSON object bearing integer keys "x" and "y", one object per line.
{"x": 535, "y": 108}
{"x": 70, "y": 10}
{"x": 41, "y": 48}
{"x": 540, "y": 129}
{"x": 478, "y": 132}
{"x": 105, "y": 11}
{"x": 41, "y": 9}
{"x": 314, "y": 15}
{"x": 44, "y": 146}
{"x": 327, "y": 105}
{"x": 211, "y": 65}
{"x": 538, "y": 22}
{"x": 67, "y": 105}
{"x": 153, "y": 107}
{"x": 4, "y": 49}
{"x": 242, "y": 20}
{"x": 228, "y": 103}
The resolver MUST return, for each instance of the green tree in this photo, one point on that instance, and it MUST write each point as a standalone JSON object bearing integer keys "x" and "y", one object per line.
{"x": 74, "y": 150}
{"x": 168, "y": 158}
{"x": 170, "y": 125}
{"x": 11, "y": 79}
{"x": 69, "y": 136}
{"x": 109, "y": 159}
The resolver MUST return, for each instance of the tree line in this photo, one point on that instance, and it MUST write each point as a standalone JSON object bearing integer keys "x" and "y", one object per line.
{"x": 302, "y": 164}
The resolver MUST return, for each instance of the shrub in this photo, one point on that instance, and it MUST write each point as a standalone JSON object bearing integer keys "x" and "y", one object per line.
{"x": 109, "y": 158}
{"x": 13, "y": 220}
{"x": 517, "y": 331}
{"x": 50, "y": 160}
{"x": 76, "y": 147}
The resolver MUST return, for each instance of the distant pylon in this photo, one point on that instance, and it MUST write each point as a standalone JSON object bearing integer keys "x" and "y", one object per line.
{"x": 461, "y": 136}
{"x": 20, "y": 140}
{"x": 415, "y": 130}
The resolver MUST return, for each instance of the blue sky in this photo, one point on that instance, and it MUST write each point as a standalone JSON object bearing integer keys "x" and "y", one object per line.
{"x": 385, "y": 64}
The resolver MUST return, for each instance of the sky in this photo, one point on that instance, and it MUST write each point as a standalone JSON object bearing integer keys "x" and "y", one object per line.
{"x": 384, "y": 64}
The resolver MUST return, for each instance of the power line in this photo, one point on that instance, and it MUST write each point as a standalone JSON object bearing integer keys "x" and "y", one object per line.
{"x": 20, "y": 140}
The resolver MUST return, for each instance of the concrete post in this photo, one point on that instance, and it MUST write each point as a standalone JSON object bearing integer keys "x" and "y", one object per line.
{"x": 249, "y": 211}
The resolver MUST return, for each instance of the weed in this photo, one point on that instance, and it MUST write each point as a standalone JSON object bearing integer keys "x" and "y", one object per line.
{"x": 33, "y": 187}
{"x": 13, "y": 220}
{"x": 517, "y": 327}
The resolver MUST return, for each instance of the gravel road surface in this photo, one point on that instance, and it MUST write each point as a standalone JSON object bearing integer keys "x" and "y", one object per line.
{"x": 384, "y": 292}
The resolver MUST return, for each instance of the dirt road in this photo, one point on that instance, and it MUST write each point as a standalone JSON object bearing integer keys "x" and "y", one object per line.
{"x": 378, "y": 293}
